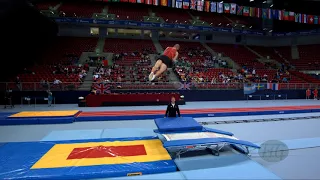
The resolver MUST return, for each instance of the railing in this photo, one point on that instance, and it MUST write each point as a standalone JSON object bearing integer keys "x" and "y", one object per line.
{"x": 74, "y": 86}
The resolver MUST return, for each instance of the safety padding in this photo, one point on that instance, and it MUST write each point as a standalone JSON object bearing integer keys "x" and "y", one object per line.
{"x": 177, "y": 124}
{"x": 207, "y": 141}
{"x": 44, "y": 114}
{"x": 84, "y": 159}
{"x": 204, "y": 129}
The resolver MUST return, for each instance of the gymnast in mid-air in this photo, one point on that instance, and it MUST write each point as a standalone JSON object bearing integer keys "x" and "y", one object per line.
{"x": 165, "y": 61}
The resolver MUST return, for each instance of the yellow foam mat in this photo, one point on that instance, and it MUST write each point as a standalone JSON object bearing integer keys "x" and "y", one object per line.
{"x": 57, "y": 156}
{"x": 45, "y": 113}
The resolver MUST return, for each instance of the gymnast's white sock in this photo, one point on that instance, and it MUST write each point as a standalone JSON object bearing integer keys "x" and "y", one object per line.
{"x": 151, "y": 76}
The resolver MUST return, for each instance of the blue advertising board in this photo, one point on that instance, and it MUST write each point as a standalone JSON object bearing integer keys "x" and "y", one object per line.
{"x": 176, "y": 26}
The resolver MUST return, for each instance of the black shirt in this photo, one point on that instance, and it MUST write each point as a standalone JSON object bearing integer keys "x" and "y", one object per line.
{"x": 172, "y": 111}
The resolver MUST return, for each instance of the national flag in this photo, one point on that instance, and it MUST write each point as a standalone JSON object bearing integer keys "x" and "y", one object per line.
{"x": 304, "y": 18}
{"x": 245, "y": 11}
{"x": 171, "y": 3}
{"x": 186, "y": 4}
{"x": 193, "y": 4}
{"x": 148, "y": 2}
{"x": 291, "y": 16}
{"x": 239, "y": 10}
{"x": 155, "y": 2}
{"x": 310, "y": 19}
{"x": 179, "y": 4}
{"x": 258, "y": 12}
{"x": 286, "y": 15}
{"x": 249, "y": 88}
{"x": 207, "y": 6}
{"x": 260, "y": 86}
{"x": 300, "y": 18}
{"x": 132, "y": 1}
{"x": 220, "y": 8}
{"x": 296, "y": 17}
{"x": 252, "y": 12}
{"x": 316, "y": 20}
{"x": 102, "y": 88}
{"x": 280, "y": 14}
{"x": 233, "y": 9}
{"x": 200, "y": 5}
{"x": 164, "y": 2}
{"x": 273, "y": 86}
{"x": 226, "y": 8}
{"x": 115, "y": 1}
{"x": 184, "y": 86}
{"x": 275, "y": 14}
{"x": 269, "y": 13}
{"x": 213, "y": 7}
{"x": 140, "y": 1}
{"x": 264, "y": 13}
{"x": 123, "y": 1}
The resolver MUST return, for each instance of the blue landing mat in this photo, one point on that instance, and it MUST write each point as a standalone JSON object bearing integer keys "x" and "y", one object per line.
{"x": 16, "y": 160}
{"x": 177, "y": 124}
{"x": 6, "y": 114}
{"x": 168, "y": 176}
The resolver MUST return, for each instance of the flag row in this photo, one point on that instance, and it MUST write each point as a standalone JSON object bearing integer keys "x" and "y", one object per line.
{"x": 230, "y": 8}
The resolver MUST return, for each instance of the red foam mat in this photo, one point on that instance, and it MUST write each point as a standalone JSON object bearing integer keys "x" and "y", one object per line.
{"x": 194, "y": 111}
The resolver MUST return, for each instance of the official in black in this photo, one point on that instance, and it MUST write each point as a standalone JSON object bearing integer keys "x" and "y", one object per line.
{"x": 8, "y": 99}
{"x": 172, "y": 109}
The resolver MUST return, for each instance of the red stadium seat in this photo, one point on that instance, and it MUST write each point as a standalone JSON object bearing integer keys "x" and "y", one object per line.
{"x": 85, "y": 10}
{"x": 239, "y": 54}
{"x": 175, "y": 16}
{"x": 45, "y": 5}
{"x": 126, "y": 11}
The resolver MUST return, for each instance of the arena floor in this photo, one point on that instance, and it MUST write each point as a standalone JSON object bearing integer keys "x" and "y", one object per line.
{"x": 301, "y": 163}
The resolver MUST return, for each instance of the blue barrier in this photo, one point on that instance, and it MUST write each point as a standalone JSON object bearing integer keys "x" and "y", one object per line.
{"x": 19, "y": 158}
{"x": 71, "y": 97}
{"x": 267, "y": 96}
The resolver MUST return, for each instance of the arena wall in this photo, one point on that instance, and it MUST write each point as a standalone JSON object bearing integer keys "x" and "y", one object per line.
{"x": 217, "y": 37}
{"x": 71, "y": 97}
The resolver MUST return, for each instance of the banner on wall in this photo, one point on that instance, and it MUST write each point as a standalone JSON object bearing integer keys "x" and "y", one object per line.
{"x": 174, "y": 26}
